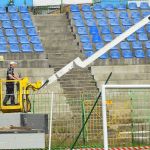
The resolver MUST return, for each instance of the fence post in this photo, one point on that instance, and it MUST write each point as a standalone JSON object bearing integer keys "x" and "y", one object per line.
{"x": 83, "y": 120}
{"x": 50, "y": 123}
{"x": 104, "y": 112}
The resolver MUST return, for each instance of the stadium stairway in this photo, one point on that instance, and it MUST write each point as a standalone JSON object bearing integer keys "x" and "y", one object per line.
{"x": 61, "y": 48}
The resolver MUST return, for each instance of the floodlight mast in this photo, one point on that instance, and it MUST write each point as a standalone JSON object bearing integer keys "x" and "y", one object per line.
{"x": 82, "y": 64}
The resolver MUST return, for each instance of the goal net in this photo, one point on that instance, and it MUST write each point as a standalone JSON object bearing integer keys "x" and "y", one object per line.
{"x": 126, "y": 115}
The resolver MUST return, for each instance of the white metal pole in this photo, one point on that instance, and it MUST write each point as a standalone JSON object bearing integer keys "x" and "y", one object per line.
{"x": 50, "y": 122}
{"x": 104, "y": 113}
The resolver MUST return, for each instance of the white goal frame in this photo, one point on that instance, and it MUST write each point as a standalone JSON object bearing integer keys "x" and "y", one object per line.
{"x": 104, "y": 112}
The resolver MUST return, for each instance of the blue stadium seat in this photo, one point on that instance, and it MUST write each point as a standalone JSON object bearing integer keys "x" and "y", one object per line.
{"x": 132, "y": 6}
{"x": 104, "y": 56}
{"x": 124, "y": 46}
{"x": 114, "y": 48}
{"x": 12, "y": 9}
{"x": 14, "y": 16}
{"x": 102, "y": 22}
{"x": 23, "y": 40}
{"x": 142, "y": 37}
{"x": 93, "y": 30}
{"x": 2, "y": 10}
{"x": 86, "y": 7}
{"x": 88, "y": 15}
{"x": 131, "y": 38}
{"x": 139, "y": 54}
{"x": 4, "y": 17}
{"x": 148, "y": 28}
{"x": 145, "y": 13}
{"x": 74, "y": 8}
{"x": 99, "y": 45}
{"x": 100, "y": 15}
{"x": 38, "y": 48}
{"x": 126, "y": 27}
{"x": 9, "y": 32}
{"x": 136, "y": 20}
{"x": 82, "y": 31}
{"x": 84, "y": 39}
{"x": 148, "y": 53}
{"x": 137, "y": 45}
{"x": 79, "y": 23}
{"x": 1, "y": 32}
{"x": 123, "y": 15}
{"x": 35, "y": 40}
{"x": 96, "y": 38}
{"x": 28, "y": 24}
{"x": 26, "y": 48}
{"x": 135, "y": 14}
{"x": 87, "y": 46}
{"x": 116, "y": 35}
{"x": 76, "y": 15}
{"x": 17, "y": 24}
{"x": 31, "y": 31}
{"x": 12, "y": 40}
{"x": 108, "y": 38}
{"x": 109, "y": 7}
{"x": 88, "y": 53}
{"x": 6, "y": 24}
{"x": 144, "y": 5}
{"x": 111, "y": 15}
{"x": 121, "y": 6}
{"x": 105, "y": 30}
{"x": 147, "y": 44}
{"x": 97, "y": 7}
{"x": 141, "y": 30}
{"x": 90, "y": 22}
{"x": 2, "y": 40}
{"x": 20, "y": 31}
{"x": 114, "y": 22}
{"x": 114, "y": 54}
{"x": 127, "y": 54}
{"x": 3, "y": 48}
{"x": 23, "y": 9}
{"x": 126, "y": 22}
{"x": 26, "y": 16}
{"x": 116, "y": 29}
{"x": 14, "y": 48}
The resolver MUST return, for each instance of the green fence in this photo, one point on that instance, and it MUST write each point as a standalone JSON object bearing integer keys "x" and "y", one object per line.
{"x": 127, "y": 115}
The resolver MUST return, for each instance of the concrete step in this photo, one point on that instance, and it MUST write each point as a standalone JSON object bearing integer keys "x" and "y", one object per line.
{"x": 124, "y": 82}
{"x": 19, "y": 56}
{"x": 47, "y": 36}
{"x": 121, "y": 69}
{"x": 53, "y": 30}
{"x": 60, "y": 44}
{"x": 123, "y": 76}
{"x": 34, "y": 63}
{"x": 30, "y": 72}
{"x": 49, "y": 17}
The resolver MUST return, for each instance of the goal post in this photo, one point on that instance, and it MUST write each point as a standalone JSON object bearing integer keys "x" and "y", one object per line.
{"x": 126, "y": 119}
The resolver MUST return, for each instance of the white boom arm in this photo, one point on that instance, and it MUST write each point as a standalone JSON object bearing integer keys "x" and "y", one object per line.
{"x": 100, "y": 52}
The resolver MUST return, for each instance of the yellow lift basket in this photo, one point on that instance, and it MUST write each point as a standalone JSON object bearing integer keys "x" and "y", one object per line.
{"x": 22, "y": 92}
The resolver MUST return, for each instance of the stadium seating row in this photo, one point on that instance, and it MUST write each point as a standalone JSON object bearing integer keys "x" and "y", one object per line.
{"x": 115, "y": 54}
{"x": 97, "y": 25}
{"x": 18, "y": 32}
{"x": 13, "y": 9}
{"x": 99, "y": 7}
{"x": 15, "y": 48}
